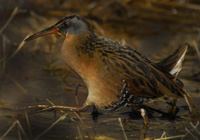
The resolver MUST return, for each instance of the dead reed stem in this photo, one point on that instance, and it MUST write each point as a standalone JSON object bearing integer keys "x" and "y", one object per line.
{"x": 9, "y": 20}
{"x": 11, "y": 127}
{"x": 52, "y": 125}
{"x": 28, "y": 122}
{"x": 16, "y": 51}
{"x": 4, "y": 53}
{"x": 195, "y": 127}
{"x": 18, "y": 48}
{"x": 191, "y": 134}
{"x": 18, "y": 84}
{"x": 83, "y": 124}
{"x": 173, "y": 137}
{"x": 79, "y": 118}
{"x": 79, "y": 132}
{"x": 120, "y": 122}
{"x": 19, "y": 134}
{"x": 21, "y": 128}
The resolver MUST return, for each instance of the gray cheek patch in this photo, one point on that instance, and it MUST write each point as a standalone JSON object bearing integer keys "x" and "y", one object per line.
{"x": 76, "y": 26}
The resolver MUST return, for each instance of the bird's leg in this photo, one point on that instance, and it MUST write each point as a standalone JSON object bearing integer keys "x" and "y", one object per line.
{"x": 95, "y": 113}
{"x": 194, "y": 111}
{"x": 76, "y": 94}
{"x": 141, "y": 108}
{"x": 173, "y": 108}
{"x": 144, "y": 116}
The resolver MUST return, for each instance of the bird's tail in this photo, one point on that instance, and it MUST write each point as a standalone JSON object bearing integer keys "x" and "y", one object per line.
{"x": 173, "y": 62}
{"x": 173, "y": 65}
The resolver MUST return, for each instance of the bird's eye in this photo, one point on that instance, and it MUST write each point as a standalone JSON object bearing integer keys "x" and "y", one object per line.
{"x": 66, "y": 24}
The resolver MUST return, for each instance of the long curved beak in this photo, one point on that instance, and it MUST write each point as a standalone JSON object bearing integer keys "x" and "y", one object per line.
{"x": 50, "y": 30}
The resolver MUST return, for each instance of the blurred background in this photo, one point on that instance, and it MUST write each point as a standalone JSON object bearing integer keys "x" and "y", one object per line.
{"x": 34, "y": 73}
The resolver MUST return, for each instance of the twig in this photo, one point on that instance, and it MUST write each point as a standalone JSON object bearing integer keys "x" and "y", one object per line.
{"x": 120, "y": 122}
{"x": 10, "y": 19}
{"x": 54, "y": 110}
{"x": 19, "y": 134}
{"x": 79, "y": 132}
{"x": 11, "y": 127}
{"x": 18, "y": 48}
{"x": 52, "y": 125}
{"x": 28, "y": 122}
{"x": 4, "y": 52}
{"x": 20, "y": 126}
{"x": 195, "y": 127}
{"x": 163, "y": 135}
{"x": 188, "y": 132}
{"x": 50, "y": 102}
{"x": 191, "y": 134}
{"x": 195, "y": 46}
{"x": 18, "y": 84}
{"x": 82, "y": 124}
{"x": 79, "y": 118}
{"x": 167, "y": 138}
{"x": 59, "y": 110}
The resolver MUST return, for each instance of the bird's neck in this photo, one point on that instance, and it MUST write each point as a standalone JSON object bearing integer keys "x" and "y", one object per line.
{"x": 76, "y": 53}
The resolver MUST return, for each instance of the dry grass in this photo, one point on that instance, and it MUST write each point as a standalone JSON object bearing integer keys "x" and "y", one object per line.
{"x": 190, "y": 132}
{"x": 18, "y": 48}
{"x": 20, "y": 86}
{"x": 28, "y": 123}
{"x": 51, "y": 126}
{"x": 79, "y": 132}
{"x": 4, "y": 53}
{"x": 18, "y": 124}
{"x": 15, "y": 11}
{"x": 120, "y": 122}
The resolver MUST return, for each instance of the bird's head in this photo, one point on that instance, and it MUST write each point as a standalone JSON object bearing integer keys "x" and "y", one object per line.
{"x": 72, "y": 24}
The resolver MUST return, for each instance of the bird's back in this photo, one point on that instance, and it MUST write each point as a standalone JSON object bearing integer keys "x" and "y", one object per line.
{"x": 122, "y": 66}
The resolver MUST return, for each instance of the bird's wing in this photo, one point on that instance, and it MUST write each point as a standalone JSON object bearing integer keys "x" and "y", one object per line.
{"x": 148, "y": 81}
{"x": 144, "y": 79}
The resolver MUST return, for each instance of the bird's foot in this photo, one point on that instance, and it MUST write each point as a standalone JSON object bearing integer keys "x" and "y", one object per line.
{"x": 143, "y": 113}
{"x": 144, "y": 116}
{"x": 95, "y": 113}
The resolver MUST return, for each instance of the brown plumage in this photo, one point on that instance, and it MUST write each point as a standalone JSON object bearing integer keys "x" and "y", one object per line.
{"x": 115, "y": 74}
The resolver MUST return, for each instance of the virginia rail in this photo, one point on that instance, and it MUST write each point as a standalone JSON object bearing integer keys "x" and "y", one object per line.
{"x": 116, "y": 75}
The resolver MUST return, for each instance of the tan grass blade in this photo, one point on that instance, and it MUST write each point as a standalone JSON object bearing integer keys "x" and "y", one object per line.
{"x": 11, "y": 127}
{"x": 29, "y": 126}
{"x": 52, "y": 125}
{"x": 18, "y": 85}
{"x": 120, "y": 122}
{"x": 172, "y": 137}
{"x": 18, "y": 48}
{"x": 79, "y": 132}
{"x": 10, "y": 19}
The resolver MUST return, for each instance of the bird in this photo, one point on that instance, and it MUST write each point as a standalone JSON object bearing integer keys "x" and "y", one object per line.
{"x": 115, "y": 74}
